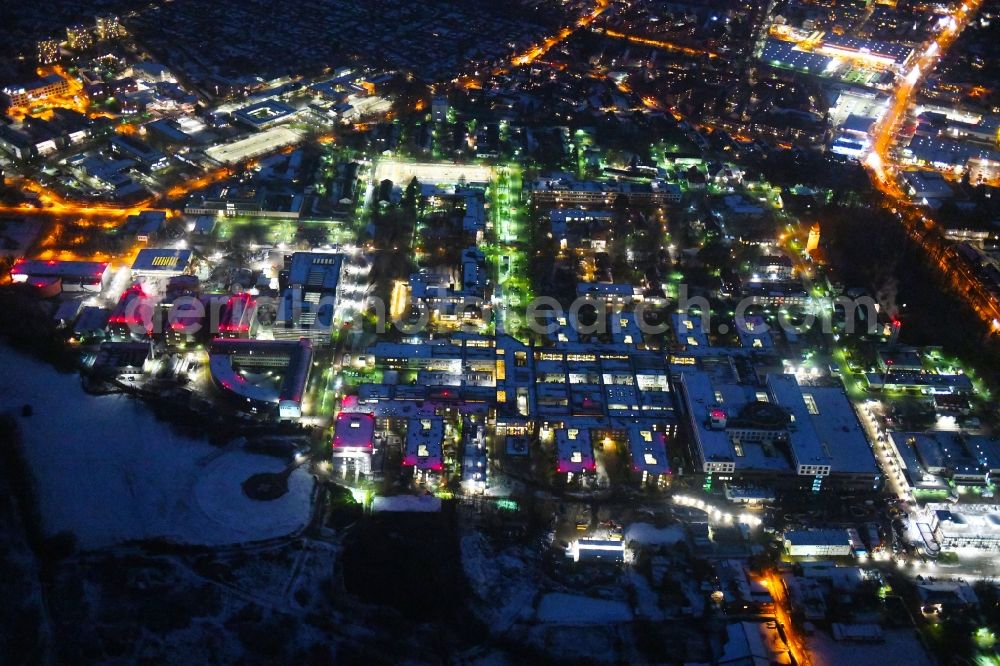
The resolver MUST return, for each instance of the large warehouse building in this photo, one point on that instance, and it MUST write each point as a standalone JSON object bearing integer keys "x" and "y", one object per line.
{"x": 62, "y": 275}
{"x": 774, "y": 432}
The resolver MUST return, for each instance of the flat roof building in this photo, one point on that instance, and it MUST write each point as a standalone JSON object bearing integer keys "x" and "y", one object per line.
{"x": 237, "y": 317}
{"x": 241, "y": 367}
{"x": 574, "y": 451}
{"x": 71, "y": 275}
{"x": 353, "y": 434}
{"x": 871, "y": 51}
{"x": 475, "y": 462}
{"x": 246, "y": 201}
{"x": 148, "y": 157}
{"x": 775, "y": 430}
{"x": 786, "y": 55}
{"x": 265, "y": 114}
{"x": 563, "y": 190}
{"x": 424, "y": 437}
{"x": 648, "y": 449}
{"x": 308, "y": 304}
{"x": 160, "y": 263}
{"x": 135, "y": 314}
{"x": 589, "y": 550}
{"x": 818, "y": 543}
{"x": 972, "y": 527}
{"x": 689, "y": 331}
{"x": 922, "y": 185}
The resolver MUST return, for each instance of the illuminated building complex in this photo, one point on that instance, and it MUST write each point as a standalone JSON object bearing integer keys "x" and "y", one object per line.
{"x": 36, "y": 91}
{"x": 308, "y": 303}
{"x": 79, "y": 37}
{"x": 109, "y": 26}
{"x": 353, "y": 441}
{"x": 48, "y": 51}
{"x": 424, "y": 437}
{"x": 263, "y": 376}
{"x": 775, "y": 432}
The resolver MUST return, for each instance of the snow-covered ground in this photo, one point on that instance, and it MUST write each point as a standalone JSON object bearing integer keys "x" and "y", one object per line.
{"x": 501, "y": 580}
{"x": 108, "y": 471}
{"x": 407, "y": 503}
{"x": 901, "y": 646}
{"x": 646, "y": 604}
{"x": 575, "y": 609}
{"x": 650, "y": 535}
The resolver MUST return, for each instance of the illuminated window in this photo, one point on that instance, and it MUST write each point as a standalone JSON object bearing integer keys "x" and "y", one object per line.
{"x": 811, "y": 403}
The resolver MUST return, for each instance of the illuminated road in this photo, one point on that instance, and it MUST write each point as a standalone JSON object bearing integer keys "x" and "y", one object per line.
{"x": 881, "y": 165}
{"x": 184, "y": 188}
{"x": 51, "y": 203}
{"x": 659, "y": 44}
{"x": 538, "y": 50}
{"x": 781, "y": 615}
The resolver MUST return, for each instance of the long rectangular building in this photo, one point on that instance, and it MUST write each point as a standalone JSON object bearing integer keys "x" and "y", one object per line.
{"x": 560, "y": 190}
{"x": 67, "y": 275}
{"x": 36, "y": 91}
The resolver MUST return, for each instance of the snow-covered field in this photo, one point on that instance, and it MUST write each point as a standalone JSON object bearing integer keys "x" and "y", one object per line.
{"x": 901, "y": 646}
{"x": 575, "y": 609}
{"x": 650, "y": 535}
{"x": 407, "y": 503}
{"x": 501, "y": 580}
{"x": 108, "y": 471}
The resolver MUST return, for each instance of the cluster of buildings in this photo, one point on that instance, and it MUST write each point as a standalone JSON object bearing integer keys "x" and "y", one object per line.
{"x": 82, "y": 37}
{"x": 940, "y": 460}
{"x": 836, "y": 56}
{"x": 164, "y": 304}
{"x": 576, "y": 398}
{"x": 965, "y": 527}
{"x": 954, "y": 142}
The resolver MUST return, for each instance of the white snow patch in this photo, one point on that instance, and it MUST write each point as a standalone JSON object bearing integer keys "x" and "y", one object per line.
{"x": 901, "y": 646}
{"x": 646, "y": 602}
{"x": 650, "y": 535}
{"x": 106, "y": 470}
{"x": 563, "y": 608}
{"x": 408, "y": 503}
